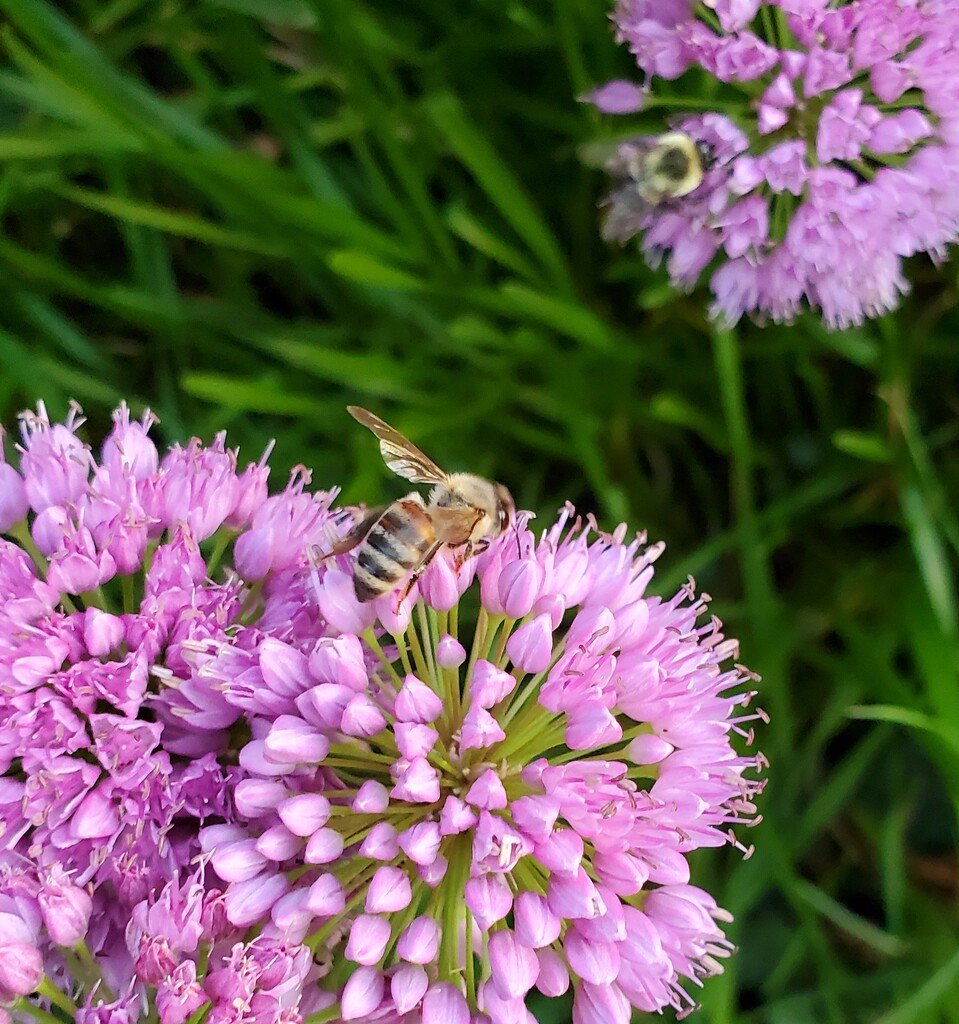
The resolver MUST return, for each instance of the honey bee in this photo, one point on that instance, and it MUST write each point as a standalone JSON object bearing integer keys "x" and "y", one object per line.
{"x": 652, "y": 172}
{"x": 462, "y": 511}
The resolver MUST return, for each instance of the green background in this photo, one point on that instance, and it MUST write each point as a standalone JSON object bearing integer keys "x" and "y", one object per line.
{"x": 249, "y": 213}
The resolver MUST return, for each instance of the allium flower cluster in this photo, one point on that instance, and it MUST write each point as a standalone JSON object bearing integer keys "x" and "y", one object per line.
{"x": 239, "y": 791}
{"x": 838, "y": 159}
{"x": 451, "y": 825}
{"x": 105, "y": 588}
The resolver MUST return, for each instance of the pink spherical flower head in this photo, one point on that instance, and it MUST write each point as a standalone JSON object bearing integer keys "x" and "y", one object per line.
{"x": 113, "y": 596}
{"x": 836, "y": 164}
{"x": 466, "y": 801}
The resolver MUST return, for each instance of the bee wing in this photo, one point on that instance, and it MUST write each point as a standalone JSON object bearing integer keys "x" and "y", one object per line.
{"x": 357, "y": 532}
{"x": 399, "y": 454}
{"x": 598, "y": 153}
{"x": 625, "y": 210}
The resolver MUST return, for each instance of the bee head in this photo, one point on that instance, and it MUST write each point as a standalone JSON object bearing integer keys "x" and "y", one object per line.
{"x": 505, "y": 508}
{"x": 706, "y": 152}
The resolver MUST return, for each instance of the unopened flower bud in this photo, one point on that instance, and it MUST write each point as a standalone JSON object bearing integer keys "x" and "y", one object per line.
{"x": 420, "y": 942}
{"x": 65, "y": 909}
{"x": 362, "y": 993}
{"x": 450, "y": 653}
{"x": 21, "y": 968}
{"x": 530, "y": 647}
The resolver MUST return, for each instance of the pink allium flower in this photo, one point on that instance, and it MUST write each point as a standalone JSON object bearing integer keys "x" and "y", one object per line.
{"x": 259, "y": 981}
{"x": 108, "y": 590}
{"x": 121, "y": 1011}
{"x": 424, "y": 809}
{"x": 841, "y": 162}
{"x": 463, "y": 813}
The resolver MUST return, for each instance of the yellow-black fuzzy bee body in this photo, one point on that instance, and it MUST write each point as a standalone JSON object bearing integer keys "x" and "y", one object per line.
{"x": 652, "y": 172}
{"x": 674, "y": 167}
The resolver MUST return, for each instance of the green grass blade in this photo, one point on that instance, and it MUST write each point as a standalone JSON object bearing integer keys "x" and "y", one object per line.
{"x": 495, "y": 178}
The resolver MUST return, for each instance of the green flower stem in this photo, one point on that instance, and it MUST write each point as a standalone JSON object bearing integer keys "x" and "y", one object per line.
{"x": 449, "y": 678}
{"x": 783, "y": 207}
{"x": 343, "y": 813}
{"x": 453, "y": 621}
{"x": 454, "y": 884}
{"x": 315, "y": 941}
{"x": 438, "y": 761}
{"x": 485, "y": 968}
{"x": 419, "y": 658}
{"x": 224, "y": 538}
{"x": 21, "y": 533}
{"x": 531, "y": 689}
{"x": 358, "y": 872}
{"x": 470, "y": 965}
{"x": 354, "y": 832}
{"x": 526, "y": 878}
{"x": 485, "y": 624}
{"x": 82, "y": 950}
{"x": 198, "y": 1018}
{"x": 22, "y": 1005}
{"x": 787, "y": 41}
{"x": 628, "y": 736}
{"x": 77, "y": 969}
{"x": 861, "y": 168}
{"x": 757, "y": 577}
{"x": 524, "y": 693}
{"x": 769, "y": 26}
{"x": 96, "y": 599}
{"x": 129, "y": 595}
{"x": 202, "y": 959}
{"x": 547, "y": 739}
{"x": 697, "y": 103}
{"x": 403, "y": 651}
{"x": 540, "y": 727}
{"x": 531, "y": 719}
{"x": 429, "y": 643}
{"x": 59, "y": 999}
{"x": 343, "y": 755}
{"x": 448, "y": 716}
{"x": 708, "y": 15}
{"x": 323, "y": 1016}
{"x": 440, "y": 621}
{"x": 398, "y": 924}
{"x": 251, "y": 601}
{"x": 499, "y": 659}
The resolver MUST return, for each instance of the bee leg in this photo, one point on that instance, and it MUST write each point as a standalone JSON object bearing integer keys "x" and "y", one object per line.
{"x": 356, "y": 534}
{"x": 470, "y": 550}
{"x": 418, "y": 570}
{"x": 463, "y": 558}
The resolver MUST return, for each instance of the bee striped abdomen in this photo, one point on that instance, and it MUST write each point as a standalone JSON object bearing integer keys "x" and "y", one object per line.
{"x": 394, "y": 546}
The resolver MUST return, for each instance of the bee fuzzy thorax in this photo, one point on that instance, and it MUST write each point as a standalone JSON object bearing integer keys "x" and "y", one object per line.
{"x": 490, "y": 502}
{"x": 653, "y": 172}
{"x": 673, "y": 168}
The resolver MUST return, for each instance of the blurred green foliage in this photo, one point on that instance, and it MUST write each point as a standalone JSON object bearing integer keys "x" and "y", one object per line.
{"x": 249, "y": 213}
